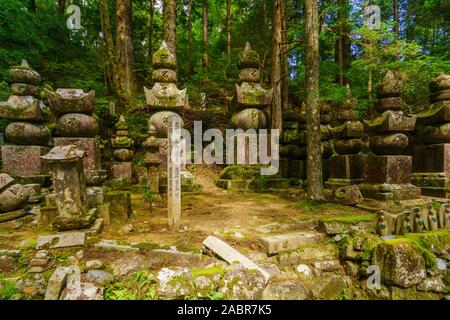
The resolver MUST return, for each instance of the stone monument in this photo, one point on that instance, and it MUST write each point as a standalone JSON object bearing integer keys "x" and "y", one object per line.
{"x": 121, "y": 169}
{"x": 76, "y": 126}
{"x": 431, "y": 157}
{"x": 388, "y": 169}
{"x": 27, "y": 136}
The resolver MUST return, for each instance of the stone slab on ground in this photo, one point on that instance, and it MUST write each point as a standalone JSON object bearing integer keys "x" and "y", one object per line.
{"x": 289, "y": 241}
{"x": 56, "y": 283}
{"x": 61, "y": 240}
{"x": 231, "y": 255}
{"x": 112, "y": 245}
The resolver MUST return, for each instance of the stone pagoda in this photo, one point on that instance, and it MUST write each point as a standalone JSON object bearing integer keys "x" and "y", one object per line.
{"x": 164, "y": 99}
{"x": 252, "y": 112}
{"x": 347, "y": 164}
{"x": 76, "y": 126}
{"x": 431, "y": 159}
{"x": 388, "y": 169}
{"x": 27, "y": 137}
{"x": 121, "y": 169}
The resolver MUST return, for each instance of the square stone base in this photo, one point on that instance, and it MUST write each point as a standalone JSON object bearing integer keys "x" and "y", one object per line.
{"x": 388, "y": 169}
{"x": 385, "y": 192}
{"x": 433, "y": 184}
{"x": 297, "y": 169}
{"x": 93, "y": 159}
{"x": 23, "y": 160}
{"x": 120, "y": 205}
{"x": 121, "y": 171}
{"x": 349, "y": 167}
{"x": 431, "y": 158}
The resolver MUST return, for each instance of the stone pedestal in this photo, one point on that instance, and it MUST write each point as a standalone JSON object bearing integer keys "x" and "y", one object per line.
{"x": 346, "y": 170}
{"x": 92, "y": 161}
{"x": 122, "y": 171}
{"x": 66, "y": 166}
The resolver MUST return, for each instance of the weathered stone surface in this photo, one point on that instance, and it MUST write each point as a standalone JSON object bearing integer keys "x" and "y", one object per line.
{"x": 120, "y": 205}
{"x": 348, "y": 167}
{"x": 438, "y": 113}
{"x": 440, "y": 96}
{"x": 23, "y": 133}
{"x": 434, "y": 133}
{"x": 250, "y": 75}
{"x": 164, "y": 76}
{"x": 93, "y": 264}
{"x": 328, "y": 287}
{"x": 123, "y": 155}
{"x": 390, "y": 86}
{"x": 348, "y": 146}
{"x": 12, "y": 195}
{"x": 249, "y": 119}
{"x": 110, "y": 245}
{"x": 431, "y": 158}
{"x": 248, "y": 58}
{"x": 174, "y": 283}
{"x": 160, "y": 122}
{"x": 412, "y": 294}
{"x": 337, "y": 227}
{"x": 92, "y": 161}
{"x": 327, "y": 265}
{"x": 76, "y": 125}
{"x": 121, "y": 171}
{"x": 283, "y": 242}
{"x": 24, "y": 74}
{"x": 290, "y": 291}
{"x": 230, "y": 255}
{"x": 71, "y": 101}
{"x": 390, "y": 121}
{"x": 349, "y": 129}
{"x": 166, "y": 96}
{"x": 126, "y": 265}
{"x": 388, "y": 169}
{"x": 33, "y": 286}
{"x": 99, "y": 277}
{"x": 401, "y": 263}
{"x": 348, "y": 195}
{"x": 240, "y": 284}
{"x": 391, "y": 103}
{"x": 442, "y": 82}
{"x": 434, "y": 284}
{"x": 23, "y": 89}
{"x": 26, "y": 108}
{"x": 391, "y": 144}
{"x": 23, "y": 160}
{"x": 253, "y": 94}
{"x": 56, "y": 283}
{"x": 61, "y": 240}
{"x": 163, "y": 58}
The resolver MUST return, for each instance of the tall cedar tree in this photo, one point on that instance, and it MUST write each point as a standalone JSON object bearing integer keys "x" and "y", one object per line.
{"x": 170, "y": 24}
{"x": 275, "y": 74}
{"x": 313, "y": 144}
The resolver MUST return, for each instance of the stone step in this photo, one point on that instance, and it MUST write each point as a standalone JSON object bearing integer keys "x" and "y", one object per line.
{"x": 289, "y": 241}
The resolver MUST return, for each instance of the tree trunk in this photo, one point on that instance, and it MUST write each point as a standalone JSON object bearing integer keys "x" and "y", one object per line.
{"x": 205, "y": 35}
{"x": 313, "y": 144}
{"x": 170, "y": 24}
{"x": 32, "y": 6}
{"x": 190, "y": 35}
{"x": 284, "y": 60}
{"x": 265, "y": 13}
{"x": 396, "y": 18}
{"x": 61, "y": 7}
{"x": 343, "y": 43}
{"x": 151, "y": 14}
{"x": 228, "y": 38}
{"x": 275, "y": 74}
{"x": 124, "y": 48}
{"x": 111, "y": 62}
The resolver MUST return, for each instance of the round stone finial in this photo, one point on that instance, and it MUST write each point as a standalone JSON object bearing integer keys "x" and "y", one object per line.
{"x": 24, "y": 74}
{"x": 390, "y": 86}
{"x": 248, "y": 58}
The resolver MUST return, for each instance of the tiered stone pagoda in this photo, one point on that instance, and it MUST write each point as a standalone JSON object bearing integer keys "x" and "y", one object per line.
{"x": 431, "y": 159}
{"x": 347, "y": 164}
{"x": 76, "y": 126}
{"x": 164, "y": 99}
{"x": 121, "y": 170}
{"x": 388, "y": 169}
{"x": 252, "y": 112}
{"x": 27, "y": 137}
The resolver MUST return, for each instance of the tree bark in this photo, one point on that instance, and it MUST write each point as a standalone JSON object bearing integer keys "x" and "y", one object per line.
{"x": 343, "y": 42}
{"x": 124, "y": 49}
{"x": 396, "y": 18}
{"x": 228, "y": 38}
{"x": 275, "y": 74}
{"x": 313, "y": 141}
{"x": 170, "y": 24}
{"x": 61, "y": 7}
{"x": 284, "y": 60}
{"x": 205, "y": 35}
{"x": 190, "y": 35}
{"x": 151, "y": 14}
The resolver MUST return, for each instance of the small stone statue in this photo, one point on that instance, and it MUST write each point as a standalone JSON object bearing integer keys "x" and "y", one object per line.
{"x": 406, "y": 228}
{"x": 382, "y": 226}
{"x": 419, "y": 224}
{"x": 432, "y": 218}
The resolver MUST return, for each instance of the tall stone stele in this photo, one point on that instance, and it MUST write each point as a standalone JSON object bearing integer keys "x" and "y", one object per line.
{"x": 27, "y": 137}
{"x": 388, "y": 170}
{"x": 347, "y": 164}
{"x": 76, "y": 126}
{"x": 69, "y": 183}
{"x": 431, "y": 159}
{"x": 121, "y": 169}
{"x": 164, "y": 99}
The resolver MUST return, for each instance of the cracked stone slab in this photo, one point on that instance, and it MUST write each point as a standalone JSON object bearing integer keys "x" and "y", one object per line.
{"x": 289, "y": 241}
{"x": 61, "y": 240}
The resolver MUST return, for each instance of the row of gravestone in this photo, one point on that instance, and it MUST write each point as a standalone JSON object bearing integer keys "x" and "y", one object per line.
{"x": 416, "y": 220}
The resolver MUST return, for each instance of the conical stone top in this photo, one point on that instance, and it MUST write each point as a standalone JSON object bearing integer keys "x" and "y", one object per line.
{"x": 24, "y": 74}
{"x": 163, "y": 58}
{"x": 122, "y": 123}
{"x": 248, "y": 58}
{"x": 390, "y": 86}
